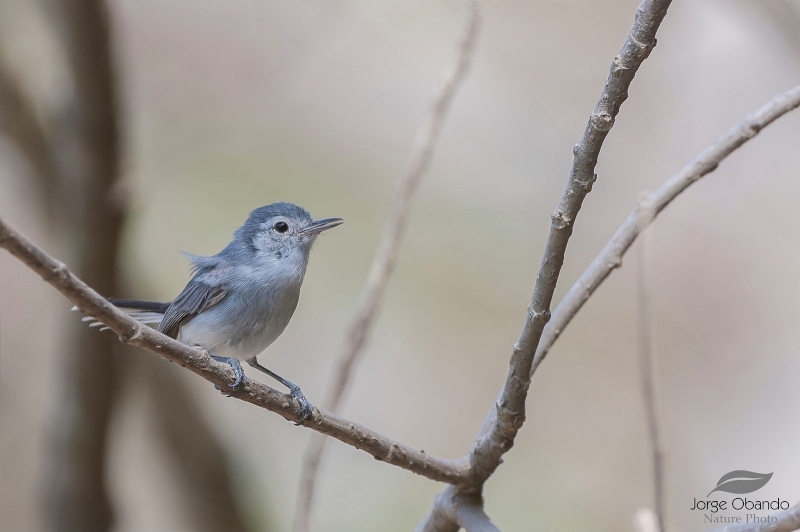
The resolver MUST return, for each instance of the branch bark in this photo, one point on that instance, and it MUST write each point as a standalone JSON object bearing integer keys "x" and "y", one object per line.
{"x": 384, "y": 262}
{"x": 787, "y": 521}
{"x": 452, "y": 511}
{"x": 197, "y": 361}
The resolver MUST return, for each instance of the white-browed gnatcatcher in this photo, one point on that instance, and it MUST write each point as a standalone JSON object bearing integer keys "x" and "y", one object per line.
{"x": 240, "y": 300}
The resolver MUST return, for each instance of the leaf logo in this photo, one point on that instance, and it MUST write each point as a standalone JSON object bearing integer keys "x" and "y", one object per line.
{"x": 741, "y": 481}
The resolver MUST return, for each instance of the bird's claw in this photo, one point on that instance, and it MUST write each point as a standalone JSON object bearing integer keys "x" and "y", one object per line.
{"x": 239, "y": 377}
{"x": 235, "y": 386}
{"x": 305, "y": 407}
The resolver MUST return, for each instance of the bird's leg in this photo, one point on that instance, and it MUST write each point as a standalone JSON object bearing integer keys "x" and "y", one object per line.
{"x": 294, "y": 390}
{"x": 239, "y": 379}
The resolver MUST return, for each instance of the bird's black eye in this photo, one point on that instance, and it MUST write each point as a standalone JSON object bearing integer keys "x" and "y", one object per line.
{"x": 281, "y": 227}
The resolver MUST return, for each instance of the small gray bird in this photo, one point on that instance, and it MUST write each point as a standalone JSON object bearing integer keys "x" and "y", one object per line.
{"x": 240, "y": 300}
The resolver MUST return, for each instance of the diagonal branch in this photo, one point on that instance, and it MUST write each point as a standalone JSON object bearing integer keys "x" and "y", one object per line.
{"x": 197, "y": 361}
{"x": 497, "y": 436}
{"x": 786, "y": 521}
{"x": 385, "y": 259}
{"x": 509, "y": 413}
{"x": 502, "y": 423}
{"x": 610, "y": 257}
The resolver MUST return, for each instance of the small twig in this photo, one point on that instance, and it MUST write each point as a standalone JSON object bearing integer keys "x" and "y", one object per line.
{"x": 384, "y": 262}
{"x": 610, "y": 257}
{"x": 647, "y": 367}
{"x": 786, "y": 521}
{"x": 197, "y": 361}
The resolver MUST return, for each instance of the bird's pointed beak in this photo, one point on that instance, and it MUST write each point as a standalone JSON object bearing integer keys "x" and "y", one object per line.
{"x": 318, "y": 226}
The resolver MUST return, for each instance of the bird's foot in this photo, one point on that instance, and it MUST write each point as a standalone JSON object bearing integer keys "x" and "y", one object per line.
{"x": 239, "y": 379}
{"x": 305, "y": 407}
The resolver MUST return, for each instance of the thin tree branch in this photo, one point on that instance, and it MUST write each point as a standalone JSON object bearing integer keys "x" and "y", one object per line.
{"x": 610, "y": 257}
{"x": 647, "y": 368}
{"x": 452, "y": 512}
{"x": 384, "y": 262}
{"x": 197, "y": 361}
{"x": 786, "y": 521}
{"x": 509, "y": 413}
{"x": 502, "y": 423}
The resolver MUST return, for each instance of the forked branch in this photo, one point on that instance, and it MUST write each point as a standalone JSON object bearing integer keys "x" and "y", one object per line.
{"x": 502, "y": 423}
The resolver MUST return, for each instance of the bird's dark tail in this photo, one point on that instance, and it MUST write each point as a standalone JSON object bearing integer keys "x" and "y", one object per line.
{"x": 130, "y": 304}
{"x": 149, "y": 312}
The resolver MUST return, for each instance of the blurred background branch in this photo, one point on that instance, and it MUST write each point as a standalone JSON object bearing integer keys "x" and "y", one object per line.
{"x": 85, "y": 158}
{"x": 384, "y": 261}
{"x": 651, "y": 398}
{"x": 74, "y": 155}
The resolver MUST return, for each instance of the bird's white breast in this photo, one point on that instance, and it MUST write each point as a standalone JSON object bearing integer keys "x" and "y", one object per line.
{"x": 257, "y": 309}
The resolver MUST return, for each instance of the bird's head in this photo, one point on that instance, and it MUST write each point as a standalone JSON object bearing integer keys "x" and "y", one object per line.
{"x": 282, "y": 231}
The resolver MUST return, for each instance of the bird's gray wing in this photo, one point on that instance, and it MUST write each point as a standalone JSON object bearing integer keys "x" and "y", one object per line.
{"x": 202, "y": 292}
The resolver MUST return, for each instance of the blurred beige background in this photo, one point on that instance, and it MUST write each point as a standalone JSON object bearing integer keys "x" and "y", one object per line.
{"x": 229, "y": 105}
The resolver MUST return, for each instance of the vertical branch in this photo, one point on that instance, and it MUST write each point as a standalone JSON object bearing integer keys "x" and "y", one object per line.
{"x": 384, "y": 261}
{"x": 76, "y": 494}
{"x": 86, "y": 160}
{"x": 647, "y": 364}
